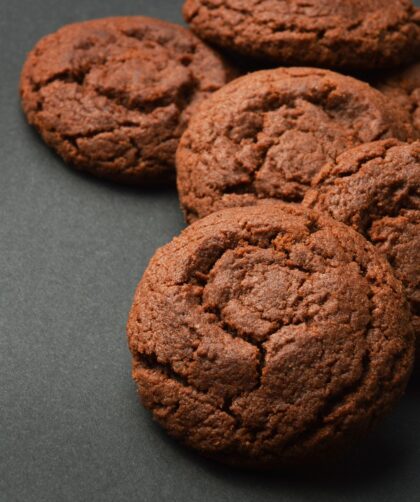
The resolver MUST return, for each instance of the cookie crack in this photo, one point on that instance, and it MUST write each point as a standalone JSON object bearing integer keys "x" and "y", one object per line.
{"x": 403, "y": 190}
{"x": 334, "y": 402}
{"x": 233, "y": 332}
{"x": 78, "y": 76}
{"x": 331, "y": 405}
{"x": 66, "y": 76}
{"x": 202, "y": 277}
{"x": 150, "y": 362}
{"x": 248, "y": 186}
{"x": 97, "y": 132}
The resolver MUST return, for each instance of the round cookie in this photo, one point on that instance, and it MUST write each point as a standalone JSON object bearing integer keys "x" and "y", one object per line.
{"x": 350, "y": 34}
{"x": 267, "y": 134}
{"x": 112, "y": 96}
{"x": 375, "y": 188}
{"x": 269, "y": 335}
{"x": 403, "y": 88}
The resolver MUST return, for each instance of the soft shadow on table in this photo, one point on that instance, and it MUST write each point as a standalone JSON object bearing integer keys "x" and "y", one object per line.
{"x": 150, "y": 191}
{"x": 414, "y": 384}
{"x": 53, "y": 160}
{"x": 382, "y": 455}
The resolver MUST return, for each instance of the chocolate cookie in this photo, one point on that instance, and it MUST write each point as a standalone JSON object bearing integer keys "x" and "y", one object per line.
{"x": 346, "y": 34}
{"x": 112, "y": 96}
{"x": 266, "y": 135}
{"x": 375, "y": 188}
{"x": 269, "y": 335}
{"x": 403, "y": 88}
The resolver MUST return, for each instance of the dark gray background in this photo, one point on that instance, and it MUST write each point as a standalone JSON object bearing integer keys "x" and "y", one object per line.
{"x": 72, "y": 249}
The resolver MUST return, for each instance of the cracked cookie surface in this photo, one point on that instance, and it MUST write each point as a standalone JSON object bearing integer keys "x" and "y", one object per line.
{"x": 266, "y": 135}
{"x": 269, "y": 335}
{"x": 375, "y": 188}
{"x": 351, "y": 34}
{"x": 112, "y": 96}
{"x": 403, "y": 87}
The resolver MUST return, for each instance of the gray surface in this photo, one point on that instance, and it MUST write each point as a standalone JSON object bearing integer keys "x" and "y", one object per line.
{"x": 71, "y": 252}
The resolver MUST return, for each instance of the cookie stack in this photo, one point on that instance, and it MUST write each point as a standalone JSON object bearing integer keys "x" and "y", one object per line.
{"x": 280, "y": 325}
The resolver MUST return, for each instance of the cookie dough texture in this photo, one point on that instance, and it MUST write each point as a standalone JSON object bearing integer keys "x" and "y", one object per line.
{"x": 350, "y": 34}
{"x": 375, "y": 188}
{"x": 112, "y": 96}
{"x": 403, "y": 88}
{"x": 267, "y": 135}
{"x": 269, "y": 335}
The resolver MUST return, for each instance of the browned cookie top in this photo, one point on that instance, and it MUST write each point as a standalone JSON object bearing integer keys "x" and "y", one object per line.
{"x": 112, "y": 96}
{"x": 375, "y": 188}
{"x": 269, "y": 334}
{"x": 352, "y": 34}
{"x": 403, "y": 88}
{"x": 266, "y": 135}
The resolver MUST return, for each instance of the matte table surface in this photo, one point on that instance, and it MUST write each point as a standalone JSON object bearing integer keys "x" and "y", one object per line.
{"x": 72, "y": 250}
